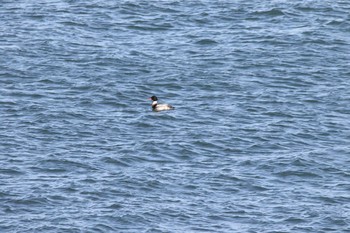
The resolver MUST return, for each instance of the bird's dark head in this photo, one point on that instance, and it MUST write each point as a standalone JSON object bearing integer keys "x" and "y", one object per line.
{"x": 154, "y": 98}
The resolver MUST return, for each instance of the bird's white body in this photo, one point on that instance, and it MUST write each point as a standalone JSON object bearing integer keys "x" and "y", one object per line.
{"x": 161, "y": 107}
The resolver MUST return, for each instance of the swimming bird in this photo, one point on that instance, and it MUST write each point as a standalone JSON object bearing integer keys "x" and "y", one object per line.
{"x": 159, "y": 107}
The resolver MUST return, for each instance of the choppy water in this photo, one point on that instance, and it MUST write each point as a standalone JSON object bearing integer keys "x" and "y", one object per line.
{"x": 259, "y": 140}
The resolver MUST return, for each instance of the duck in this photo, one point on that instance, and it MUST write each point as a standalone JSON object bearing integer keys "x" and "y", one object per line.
{"x": 159, "y": 107}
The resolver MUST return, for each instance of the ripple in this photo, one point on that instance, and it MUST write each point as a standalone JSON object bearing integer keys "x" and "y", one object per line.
{"x": 116, "y": 162}
{"x": 11, "y": 172}
{"x": 58, "y": 166}
{"x": 273, "y": 12}
{"x": 206, "y": 42}
{"x": 298, "y": 174}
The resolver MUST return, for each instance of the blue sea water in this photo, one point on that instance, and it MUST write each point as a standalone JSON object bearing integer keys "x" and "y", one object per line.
{"x": 258, "y": 142}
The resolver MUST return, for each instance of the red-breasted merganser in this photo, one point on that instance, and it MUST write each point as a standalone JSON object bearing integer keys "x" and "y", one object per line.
{"x": 159, "y": 107}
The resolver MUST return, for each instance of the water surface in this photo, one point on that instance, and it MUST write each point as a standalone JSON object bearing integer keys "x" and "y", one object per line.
{"x": 259, "y": 140}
